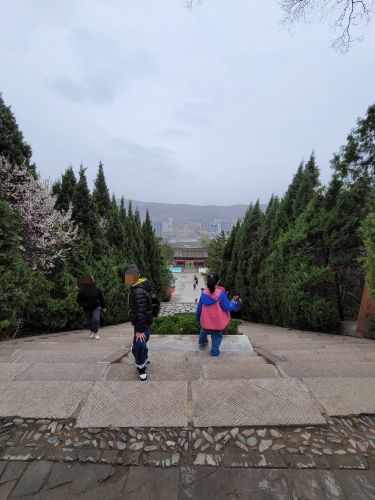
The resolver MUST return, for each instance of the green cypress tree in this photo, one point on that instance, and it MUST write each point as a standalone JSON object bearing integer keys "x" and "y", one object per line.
{"x": 100, "y": 194}
{"x": 140, "y": 245}
{"x": 152, "y": 254}
{"x": 64, "y": 190}
{"x": 52, "y": 304}
{"x": 307, "y": 185}
{"x": 224, "y": 273}
{"x": 12, "y": 144}
{"x": 116, "y": 230}
{"x": 131, "y": 234}
{"x": 216, "y": 252}
{"x": 368, "y": 233}
{"x": 14, "y": 274}
{"x": 84, "y": 213}
{"x": 248, "y": 268}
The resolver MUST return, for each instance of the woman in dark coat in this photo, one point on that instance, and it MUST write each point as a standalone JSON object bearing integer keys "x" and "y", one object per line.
{"x": 91, "y": 299}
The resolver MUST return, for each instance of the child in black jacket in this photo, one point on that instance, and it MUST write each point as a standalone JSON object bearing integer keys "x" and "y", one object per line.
{"x": 141, "y": 316}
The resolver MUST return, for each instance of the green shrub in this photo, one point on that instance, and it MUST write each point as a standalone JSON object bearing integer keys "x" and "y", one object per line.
{"x": 185, "y": 324}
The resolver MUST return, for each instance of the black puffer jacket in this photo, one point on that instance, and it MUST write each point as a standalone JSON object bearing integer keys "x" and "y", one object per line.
{"x": 90, "y": 297}
{"x": 140, "y": 305}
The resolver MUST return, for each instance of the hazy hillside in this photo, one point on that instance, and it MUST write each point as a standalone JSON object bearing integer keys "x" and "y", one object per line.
{"x": 184, "y": 214}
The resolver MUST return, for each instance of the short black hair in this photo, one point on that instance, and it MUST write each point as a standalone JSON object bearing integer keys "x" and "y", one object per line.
{"x": 131, "y": 269}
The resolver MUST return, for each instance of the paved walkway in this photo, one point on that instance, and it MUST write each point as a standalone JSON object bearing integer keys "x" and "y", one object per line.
{"x": 58, "y": 481}
{"x": 184, "y": 291}
{"x": 280, "y": 414}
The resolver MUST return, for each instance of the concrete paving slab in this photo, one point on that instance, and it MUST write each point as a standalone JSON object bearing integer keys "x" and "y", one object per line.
{"x": 60, "y": 356}
{"x": 301, "y": 369}
{"x": 315, "y": 485}
{"x": 42, "y": 400}
{"x": 342, "y": 396}
{"x": 83, "y": 346}
{"x": 230, "y": 343}
{"x": 86, "y": 372}
{"x": 164, "y": 366}
{"x": 239, "y": 371}
{"x": 253, "y": 402}
{"x": 317, "y": 355}
{"x": 181, "y": 365}
{"x": 135, "y": 404}
{"x": 9, "y": 371}
{"x": 206, "y": 483}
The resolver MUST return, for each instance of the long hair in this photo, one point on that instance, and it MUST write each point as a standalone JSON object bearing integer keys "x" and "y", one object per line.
{"x": 86, "y": 284}
{"x": 212, "y": 281}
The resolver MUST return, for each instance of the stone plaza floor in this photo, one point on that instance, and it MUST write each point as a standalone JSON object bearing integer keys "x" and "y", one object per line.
{"x": 280, "y": 414}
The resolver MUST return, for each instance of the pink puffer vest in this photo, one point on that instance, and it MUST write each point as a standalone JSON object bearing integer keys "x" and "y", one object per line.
{"x": 212, "y": 316}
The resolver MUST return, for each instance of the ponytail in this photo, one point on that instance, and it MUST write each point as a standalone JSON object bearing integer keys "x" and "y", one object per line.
{"x": 212, "y": 281}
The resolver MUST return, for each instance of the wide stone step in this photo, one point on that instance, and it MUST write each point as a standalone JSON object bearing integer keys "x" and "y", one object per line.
{"x": 344, "y": 396}
{"x": 239, "y": 370}
{"x": 135, "y": 404}
{"x": 188, "y": 366}
{"x": 28, "y": 399}
{"x": 301, "y": 369}
{"x": 230, "y": 343}
{"x": 253, "y": 402}
{"x": 214, "y": 403}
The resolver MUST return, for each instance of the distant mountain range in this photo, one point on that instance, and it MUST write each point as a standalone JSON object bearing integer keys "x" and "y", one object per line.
{"x": 186, "y": 214}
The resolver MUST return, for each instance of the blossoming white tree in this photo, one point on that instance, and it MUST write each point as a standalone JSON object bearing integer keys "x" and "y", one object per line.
{"x": 46, "y": 233}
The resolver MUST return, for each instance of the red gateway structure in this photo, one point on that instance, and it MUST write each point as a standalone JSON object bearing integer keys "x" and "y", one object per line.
{"x": 190, "y": 257}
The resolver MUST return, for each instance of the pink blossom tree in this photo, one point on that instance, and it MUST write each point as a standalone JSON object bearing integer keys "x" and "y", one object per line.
{"x": 46, "y": 233}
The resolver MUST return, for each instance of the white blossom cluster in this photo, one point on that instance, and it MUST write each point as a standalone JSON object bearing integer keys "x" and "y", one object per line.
{"x": 46, "y": 233}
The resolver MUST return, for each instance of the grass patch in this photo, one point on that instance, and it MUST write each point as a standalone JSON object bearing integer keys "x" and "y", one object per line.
{"x": 185, "y": 324}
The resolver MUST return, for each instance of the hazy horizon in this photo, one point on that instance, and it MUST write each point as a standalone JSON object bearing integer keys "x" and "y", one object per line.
{"x": 212, "y": 106}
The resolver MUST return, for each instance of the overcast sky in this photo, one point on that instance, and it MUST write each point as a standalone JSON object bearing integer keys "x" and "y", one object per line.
{"x": 212, "y": 106}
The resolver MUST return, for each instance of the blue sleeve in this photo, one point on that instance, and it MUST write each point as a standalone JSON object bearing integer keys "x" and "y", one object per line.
{"x": 227, "y": 305}
{"x": 199, "y": 310}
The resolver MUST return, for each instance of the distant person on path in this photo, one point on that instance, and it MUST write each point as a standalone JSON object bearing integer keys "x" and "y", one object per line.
{"x": 196, "y": 279}
{"x": 213, "y": 313}
{"x": 91, "y": 299}
{"x": 194, "y": 285}
{"x": 141, "y": 316}
{"x": 155, "y": 305}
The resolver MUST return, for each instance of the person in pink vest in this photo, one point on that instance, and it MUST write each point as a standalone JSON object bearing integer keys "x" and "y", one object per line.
{"x": 213, "y": 313}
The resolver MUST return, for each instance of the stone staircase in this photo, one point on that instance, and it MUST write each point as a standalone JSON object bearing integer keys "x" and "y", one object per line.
{"x": 170, "y": 308}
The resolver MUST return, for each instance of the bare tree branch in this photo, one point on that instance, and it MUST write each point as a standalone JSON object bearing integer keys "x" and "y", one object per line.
{"x": 348, "y": 14}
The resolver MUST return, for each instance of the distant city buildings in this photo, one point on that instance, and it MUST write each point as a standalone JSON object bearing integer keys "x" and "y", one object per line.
{"x": 190, "y": 232}
{"x": 158, "y": 228}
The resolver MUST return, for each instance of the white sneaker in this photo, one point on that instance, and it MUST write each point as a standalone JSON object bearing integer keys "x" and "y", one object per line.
{"x": 92, "y": 335}
{"x": 143, "y": 376}
{"x": 97, "y": 336}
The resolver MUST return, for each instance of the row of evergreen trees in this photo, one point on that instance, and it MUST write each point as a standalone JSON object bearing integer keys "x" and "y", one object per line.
{"x": 108, "y": 236}
{"x": 299, "y": 262}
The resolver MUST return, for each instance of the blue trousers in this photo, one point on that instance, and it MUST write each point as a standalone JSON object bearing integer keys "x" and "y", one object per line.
{"x": 216, "y": 338}
{"x": 140, "y": 349}
{"x": 93, "y": 320}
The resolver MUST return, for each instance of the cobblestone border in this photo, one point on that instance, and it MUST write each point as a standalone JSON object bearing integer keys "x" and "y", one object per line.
{"x": 345, "y": 443}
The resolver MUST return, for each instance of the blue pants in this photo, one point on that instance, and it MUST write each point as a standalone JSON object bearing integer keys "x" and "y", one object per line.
{"x": 140, "y": 349}
{"x": 216, "y": 338}
{"x": 93, "y": 320}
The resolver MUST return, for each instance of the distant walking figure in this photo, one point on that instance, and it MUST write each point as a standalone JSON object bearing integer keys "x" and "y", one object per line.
{"x": 155, "y": 305}
{"x": 91, "y": 299}
{"x": 141, "y": 316}
{"x": 194, "y": 285}
{"x": 213, "y": 313}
